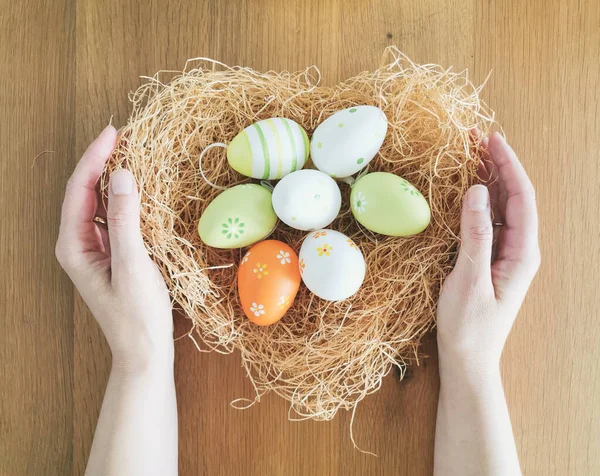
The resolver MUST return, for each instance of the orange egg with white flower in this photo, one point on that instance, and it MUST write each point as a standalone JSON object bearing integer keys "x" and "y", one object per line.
{"x": 268, "y": 280}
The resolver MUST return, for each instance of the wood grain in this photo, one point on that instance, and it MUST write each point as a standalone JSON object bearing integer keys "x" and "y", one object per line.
{"x": 36, "y": 298}
{"x": 67, "y": 68}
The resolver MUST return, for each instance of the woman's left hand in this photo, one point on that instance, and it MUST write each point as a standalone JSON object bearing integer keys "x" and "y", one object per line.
{"x": 111, "y": 269}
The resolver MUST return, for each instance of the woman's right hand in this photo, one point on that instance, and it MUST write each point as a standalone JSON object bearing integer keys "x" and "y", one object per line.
{"x": 476, "y": 310}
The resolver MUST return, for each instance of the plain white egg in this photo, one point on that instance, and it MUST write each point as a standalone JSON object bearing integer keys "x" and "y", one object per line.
{"x": 307, "y": 199}
{"x": 331, "y": 265}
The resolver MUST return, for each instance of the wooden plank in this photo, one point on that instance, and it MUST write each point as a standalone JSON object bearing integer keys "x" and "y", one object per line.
{"x": 545, "y": 90}
{"x": 36, "y": 303}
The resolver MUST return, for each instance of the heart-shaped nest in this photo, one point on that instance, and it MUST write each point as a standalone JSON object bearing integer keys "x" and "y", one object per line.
{"x": 322, "y": 356}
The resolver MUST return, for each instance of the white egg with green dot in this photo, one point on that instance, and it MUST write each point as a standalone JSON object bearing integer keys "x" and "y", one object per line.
{"x": 388, "y": 204}
{"x": 347, "y": 141}
{"x": 307, "y": 199}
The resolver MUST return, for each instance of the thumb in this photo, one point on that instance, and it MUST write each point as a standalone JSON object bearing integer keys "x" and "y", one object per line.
{"x": 123, "y": 218}
{"x": 474, "y": 258}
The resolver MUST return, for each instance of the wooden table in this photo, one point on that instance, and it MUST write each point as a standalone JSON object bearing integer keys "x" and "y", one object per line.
{"x": 67, "y": 67}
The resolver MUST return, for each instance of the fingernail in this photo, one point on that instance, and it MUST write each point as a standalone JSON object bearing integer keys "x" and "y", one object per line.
{"x": 478, "y": 198}
{"x": 121, "y": 182}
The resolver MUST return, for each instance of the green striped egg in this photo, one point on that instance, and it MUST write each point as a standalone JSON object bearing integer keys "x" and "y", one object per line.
{"x": 269, "y": 149}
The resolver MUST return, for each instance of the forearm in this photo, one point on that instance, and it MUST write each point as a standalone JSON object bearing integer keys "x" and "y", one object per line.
{"x": 137, "y": 429}
{"x": 473, "y": 433}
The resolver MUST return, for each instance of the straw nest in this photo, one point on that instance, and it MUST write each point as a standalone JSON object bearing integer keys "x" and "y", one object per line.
{"x": 322, "y": 356}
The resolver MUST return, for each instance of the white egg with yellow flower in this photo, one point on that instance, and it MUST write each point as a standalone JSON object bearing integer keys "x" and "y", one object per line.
{"x": 331, "y": 265}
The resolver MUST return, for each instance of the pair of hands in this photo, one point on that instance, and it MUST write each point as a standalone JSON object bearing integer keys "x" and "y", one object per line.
{"x": 128, "y": 297}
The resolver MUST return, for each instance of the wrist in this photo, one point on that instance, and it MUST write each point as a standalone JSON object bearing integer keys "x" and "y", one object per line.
{"x": 144, "y": 357}
{"x": 467, "y": 367}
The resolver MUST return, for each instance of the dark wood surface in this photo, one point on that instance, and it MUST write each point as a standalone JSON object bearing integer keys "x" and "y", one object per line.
{"x": 67, "y": 67}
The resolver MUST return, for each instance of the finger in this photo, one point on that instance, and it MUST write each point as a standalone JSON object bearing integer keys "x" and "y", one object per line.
{"x": 486, "y": 168}
{"x": 520, "y": 228}
{"x": 474, "y": 258}
{"x": 103, "y": 230}
{"x": 478, "y": 138}
{"x": 485, "y": 142}
{"x": 80, "y": 201}
{"x": 488, "y": 174}
{"x": 79, "y": 243}
{"x": 101, "y": 205}
{"x": 476, "y": 134}
{"x": 123, "y": 219}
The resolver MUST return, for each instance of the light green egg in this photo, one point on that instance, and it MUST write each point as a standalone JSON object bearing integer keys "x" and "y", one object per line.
{"x": 387, "y": 204}
{"x": 238, "y": 217}
{"x": 269, "y": 149}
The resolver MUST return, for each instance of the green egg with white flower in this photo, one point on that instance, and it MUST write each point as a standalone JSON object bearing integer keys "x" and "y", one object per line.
{"x": 238, "y": 217}
{"x": 390, "y": 205}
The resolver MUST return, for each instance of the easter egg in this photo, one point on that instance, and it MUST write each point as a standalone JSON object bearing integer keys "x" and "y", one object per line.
{"x": 347, "y": 141}
{"x": 269, "y": 149}
{"x": 387, "y": 204}
{"x": 307, "y": 199}
{"x": 238, "y": 217}
{"x": 268, "y": 280}
{"x": 331, "y": 265}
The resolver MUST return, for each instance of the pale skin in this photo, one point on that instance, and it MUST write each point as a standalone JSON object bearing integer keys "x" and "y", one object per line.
{"x": 136, "y": 433}
{"x": 476, "y": 310}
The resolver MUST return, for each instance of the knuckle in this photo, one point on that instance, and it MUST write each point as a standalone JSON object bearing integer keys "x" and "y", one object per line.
{"x": 535, "y": 261}
{"x": 126, "y": 269}
{"x": 67, "y": 259}
{"x": 481, "y": 233}
{"x": 71, "y": 184}
{"x": 59, "y": 252}
{"x": 118, "y": 219}
{"x": 529, "y": 192}
{"x": 528, "y": 265}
